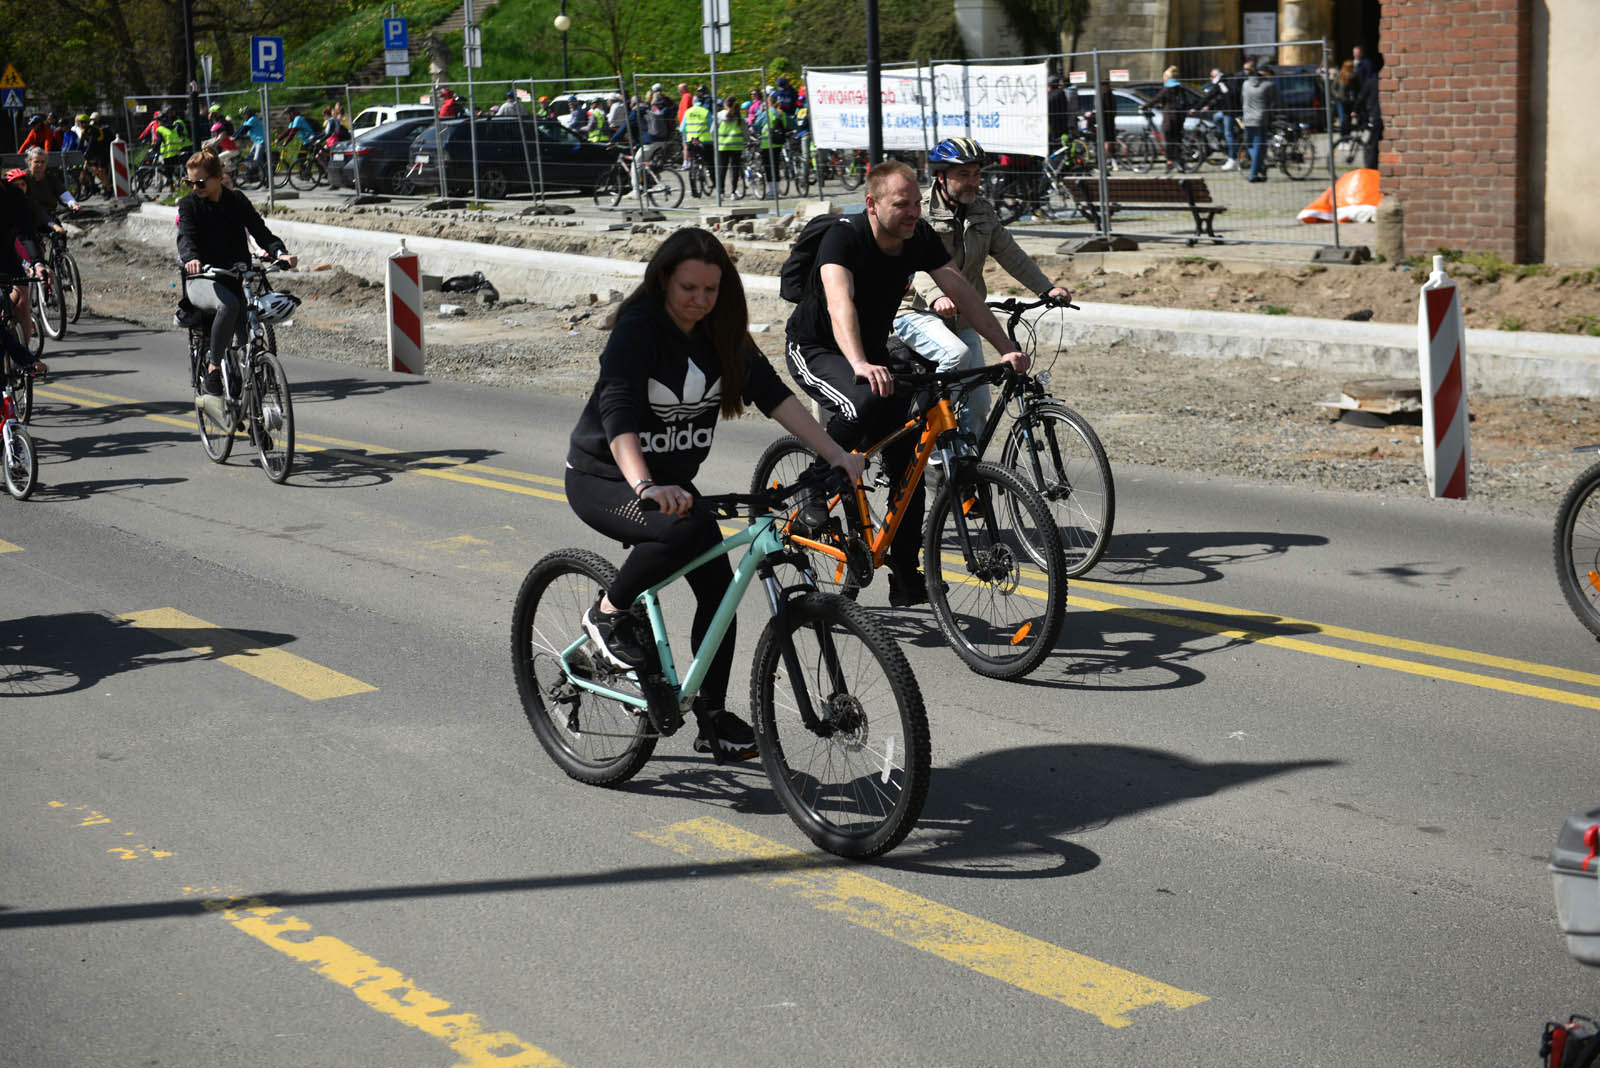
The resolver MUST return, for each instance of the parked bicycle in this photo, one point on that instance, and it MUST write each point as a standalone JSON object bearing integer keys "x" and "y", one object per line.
{"x": 1291, "y": 146}
{"x": 986, "y": 533}
{"x": 1350, "y": 150}
{"x": 846, "y": 166}
{"x": 646, "y": 183}
{"x": 839, "y": 720}
{"x": 255, "y": 397}
{"x": 1577, "y": 545}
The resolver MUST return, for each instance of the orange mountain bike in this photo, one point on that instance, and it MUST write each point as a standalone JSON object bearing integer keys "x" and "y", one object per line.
{"x": 985, "y": 529}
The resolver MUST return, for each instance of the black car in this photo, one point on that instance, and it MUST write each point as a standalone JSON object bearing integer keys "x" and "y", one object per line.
{"x": 514, "y": 155}
{"x": 1303, "y": 91}
{"x": 380, "y": 157}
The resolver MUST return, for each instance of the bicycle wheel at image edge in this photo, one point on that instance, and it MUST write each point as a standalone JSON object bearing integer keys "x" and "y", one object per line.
{"x": 997, "y": 611}
{"x": 21, "y": 463}
{"x": 272, "y": 420}
{"x": 594, "y": 739}
{"x": 1577, "y": 548}
{"x": 1054, "y": 449}
{"x": 856, "y": 782}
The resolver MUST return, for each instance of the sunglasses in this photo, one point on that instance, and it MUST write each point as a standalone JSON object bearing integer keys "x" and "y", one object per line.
{"x": 196, "y": 183}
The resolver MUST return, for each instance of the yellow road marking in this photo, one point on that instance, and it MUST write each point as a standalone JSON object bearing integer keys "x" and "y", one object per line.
{"x": 293, "y": 673}
{"x": 381, "y": 988}
{"x": 7, "y": 547}
{"x": 1333, "y": 652}
{"x": 1108, "y": 993}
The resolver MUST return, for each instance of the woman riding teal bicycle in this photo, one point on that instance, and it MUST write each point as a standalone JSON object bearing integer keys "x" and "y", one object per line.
{"x": 679, "y": 357}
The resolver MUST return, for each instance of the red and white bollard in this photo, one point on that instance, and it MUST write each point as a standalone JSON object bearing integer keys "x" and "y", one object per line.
{"x": 121, "y": 177}
{"x": 403, "y": 299}
{"x": 1441, "y": 344}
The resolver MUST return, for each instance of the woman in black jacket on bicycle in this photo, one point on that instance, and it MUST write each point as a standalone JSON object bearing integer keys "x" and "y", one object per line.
{"x": 680, "y": 356}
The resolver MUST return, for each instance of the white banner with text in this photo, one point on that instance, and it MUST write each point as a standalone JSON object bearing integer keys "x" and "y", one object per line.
{"x": 1001, "y": 107}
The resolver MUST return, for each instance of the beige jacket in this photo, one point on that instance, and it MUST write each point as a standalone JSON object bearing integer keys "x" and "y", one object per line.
{"x": 971, "y": 237}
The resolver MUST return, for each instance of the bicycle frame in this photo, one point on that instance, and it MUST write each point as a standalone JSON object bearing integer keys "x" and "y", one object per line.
{"x": 765, "y": 542}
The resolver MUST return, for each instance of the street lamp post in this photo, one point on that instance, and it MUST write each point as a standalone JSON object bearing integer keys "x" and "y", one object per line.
{"x": 563, "y": 24}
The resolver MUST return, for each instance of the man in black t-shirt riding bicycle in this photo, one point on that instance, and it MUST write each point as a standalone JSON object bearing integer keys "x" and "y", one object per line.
{"x": 837, "y": 335}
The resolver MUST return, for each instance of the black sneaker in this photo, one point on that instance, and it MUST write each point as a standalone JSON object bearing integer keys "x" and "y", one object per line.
{"x": 211, "y": 382}
{"x": 734, "y": 738}
{"x": 613, "y": 635}
{"x": 907, "y": 591}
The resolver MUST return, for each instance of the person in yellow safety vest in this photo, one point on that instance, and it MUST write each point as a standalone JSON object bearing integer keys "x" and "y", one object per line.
{"x": 696, "y": 131}
{"x": 773, "y": 126}
{"x": 730, "y": 144}
{"x": 172, "y": 145}
{"x": 597, "y": 122}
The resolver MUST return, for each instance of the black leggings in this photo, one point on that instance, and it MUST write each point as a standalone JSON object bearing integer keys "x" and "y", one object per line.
{"x": 661, "y": 545}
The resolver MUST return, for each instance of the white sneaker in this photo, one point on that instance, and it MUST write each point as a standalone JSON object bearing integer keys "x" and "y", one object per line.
{"x": 1230, "y": 165}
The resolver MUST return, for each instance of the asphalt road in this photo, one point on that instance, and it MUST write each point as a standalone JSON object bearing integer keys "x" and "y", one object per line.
{"x": 1282, "y": 795}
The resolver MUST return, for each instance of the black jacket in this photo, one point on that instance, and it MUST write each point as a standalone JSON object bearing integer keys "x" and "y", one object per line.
{"x": 16, "y": 224}
{"x": 213, "y": 233}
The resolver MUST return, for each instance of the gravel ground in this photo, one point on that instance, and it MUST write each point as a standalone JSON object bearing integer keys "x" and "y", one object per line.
{"x": 1246, "y": 418}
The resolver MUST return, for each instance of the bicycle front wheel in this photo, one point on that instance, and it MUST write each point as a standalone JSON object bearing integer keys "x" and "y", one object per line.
{"x": 855, "y": 780}
{"x": 1054, "y": 449}
{"x": 1577, "y": 548}
{"x": 594, "y": 739}
{"x": 272, "y": 417}
{"x": 70, "y": 282}
{"x": 1142, "y": 152}
{"x": 782, "y": 464}
{"x": 608, "y": 189}
{"x": 211, "y": 412}
{"x": 21, "y": 388}
{"x": 999, "y": 613}
{"x": 21, "y": 462}
{"x": 663, "y": 189}
{"x": 50, "y": 311}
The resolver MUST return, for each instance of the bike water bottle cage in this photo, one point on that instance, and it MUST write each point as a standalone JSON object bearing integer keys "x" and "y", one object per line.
{"x": 954, "y": 151}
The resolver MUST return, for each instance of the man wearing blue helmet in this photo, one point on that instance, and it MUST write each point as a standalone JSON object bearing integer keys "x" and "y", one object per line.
{"x": 971, "y": 231}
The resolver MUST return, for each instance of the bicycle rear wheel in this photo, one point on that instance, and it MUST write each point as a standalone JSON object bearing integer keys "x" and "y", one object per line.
{"x": 21, "y": 389}
{"x": 1297, "y": 157}
{"x": 609, "y": 187}
{"x": 1054, "y": 449}
{"x": 272, "y": 417}
{"x": 70, "y": 282}
{"x": 1577, "y": 548}
{"x": 999, "y": 613}
{"x": 855, "y": 783}
{"x": 594, "y": 739}
{"x": 21, "y": 462}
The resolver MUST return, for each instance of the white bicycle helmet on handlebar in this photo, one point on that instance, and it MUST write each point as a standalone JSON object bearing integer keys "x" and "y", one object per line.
{"x": 276, "y": 307}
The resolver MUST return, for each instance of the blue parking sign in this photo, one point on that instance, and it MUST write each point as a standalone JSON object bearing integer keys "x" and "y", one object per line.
{"x": 266, "y": 59}
{"x": 394, "y": 35}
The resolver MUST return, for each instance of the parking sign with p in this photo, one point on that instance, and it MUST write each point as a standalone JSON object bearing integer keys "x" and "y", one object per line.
{"x": 266, "y": 59}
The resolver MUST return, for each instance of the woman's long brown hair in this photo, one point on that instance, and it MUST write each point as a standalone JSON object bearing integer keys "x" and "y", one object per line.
{"x": 728, "y": 321}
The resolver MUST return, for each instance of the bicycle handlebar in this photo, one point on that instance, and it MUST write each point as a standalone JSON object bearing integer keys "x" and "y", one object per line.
{"x": 1017, "y": 307}
{"x": 735, "y": 505}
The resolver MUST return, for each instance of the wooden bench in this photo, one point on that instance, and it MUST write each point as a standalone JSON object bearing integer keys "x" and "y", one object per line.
{"x": 1150, "y": 194}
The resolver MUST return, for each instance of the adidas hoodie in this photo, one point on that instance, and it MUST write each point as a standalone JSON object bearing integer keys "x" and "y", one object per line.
{"x": 665, "y": 386}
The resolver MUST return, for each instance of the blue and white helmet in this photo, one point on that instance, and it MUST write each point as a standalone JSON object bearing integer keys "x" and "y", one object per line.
{"x": 954, "y": 151}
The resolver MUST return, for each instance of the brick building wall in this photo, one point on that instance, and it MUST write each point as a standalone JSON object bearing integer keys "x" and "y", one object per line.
{"x": 1455, "y": 99}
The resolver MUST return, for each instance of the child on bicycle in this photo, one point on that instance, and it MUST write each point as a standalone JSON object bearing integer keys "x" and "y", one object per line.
{"x": 680, "y": 356}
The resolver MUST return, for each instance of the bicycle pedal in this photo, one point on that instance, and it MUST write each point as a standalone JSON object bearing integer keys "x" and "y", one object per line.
{"x": 661, "y": 704}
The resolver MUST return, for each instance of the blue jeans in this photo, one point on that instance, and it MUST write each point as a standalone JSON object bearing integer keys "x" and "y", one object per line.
{"x": 1256, "y": 138}
{"x": 1225, "y": 125}
{"x": 930, "y": 334}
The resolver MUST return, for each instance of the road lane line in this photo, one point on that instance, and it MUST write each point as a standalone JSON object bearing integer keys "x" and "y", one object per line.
{"x": 7, "y": 547}
{"x": 381, "y": 988}
{"x": 1108, "y": 993}
{"x": 283, "y": 669}
{"x": 1333, "y": 652}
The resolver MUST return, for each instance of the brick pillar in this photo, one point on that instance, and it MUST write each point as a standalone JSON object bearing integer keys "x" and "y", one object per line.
{"x": 1455, "y": 99}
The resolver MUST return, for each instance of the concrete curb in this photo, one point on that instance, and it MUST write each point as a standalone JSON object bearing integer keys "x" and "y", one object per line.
{"x": 1500, "y": 362}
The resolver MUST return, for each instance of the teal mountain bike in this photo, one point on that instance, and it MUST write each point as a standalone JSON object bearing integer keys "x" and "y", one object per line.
{"x": 838, "y": 716}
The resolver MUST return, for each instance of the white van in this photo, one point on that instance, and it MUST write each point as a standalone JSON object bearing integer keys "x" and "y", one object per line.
{"x": 372, "y": 117}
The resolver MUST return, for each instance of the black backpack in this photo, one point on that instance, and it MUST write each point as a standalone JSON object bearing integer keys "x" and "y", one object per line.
{"x": 796, "y": 277}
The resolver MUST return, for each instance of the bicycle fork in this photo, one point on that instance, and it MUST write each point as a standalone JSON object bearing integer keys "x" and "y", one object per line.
{"x": 778, "y": 596}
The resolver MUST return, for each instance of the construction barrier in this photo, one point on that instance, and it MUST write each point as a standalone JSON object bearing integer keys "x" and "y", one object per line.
{"x": 121, "y": 177}
{"x": 403, "y": 299}
{"x": 1441, "y": 346}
